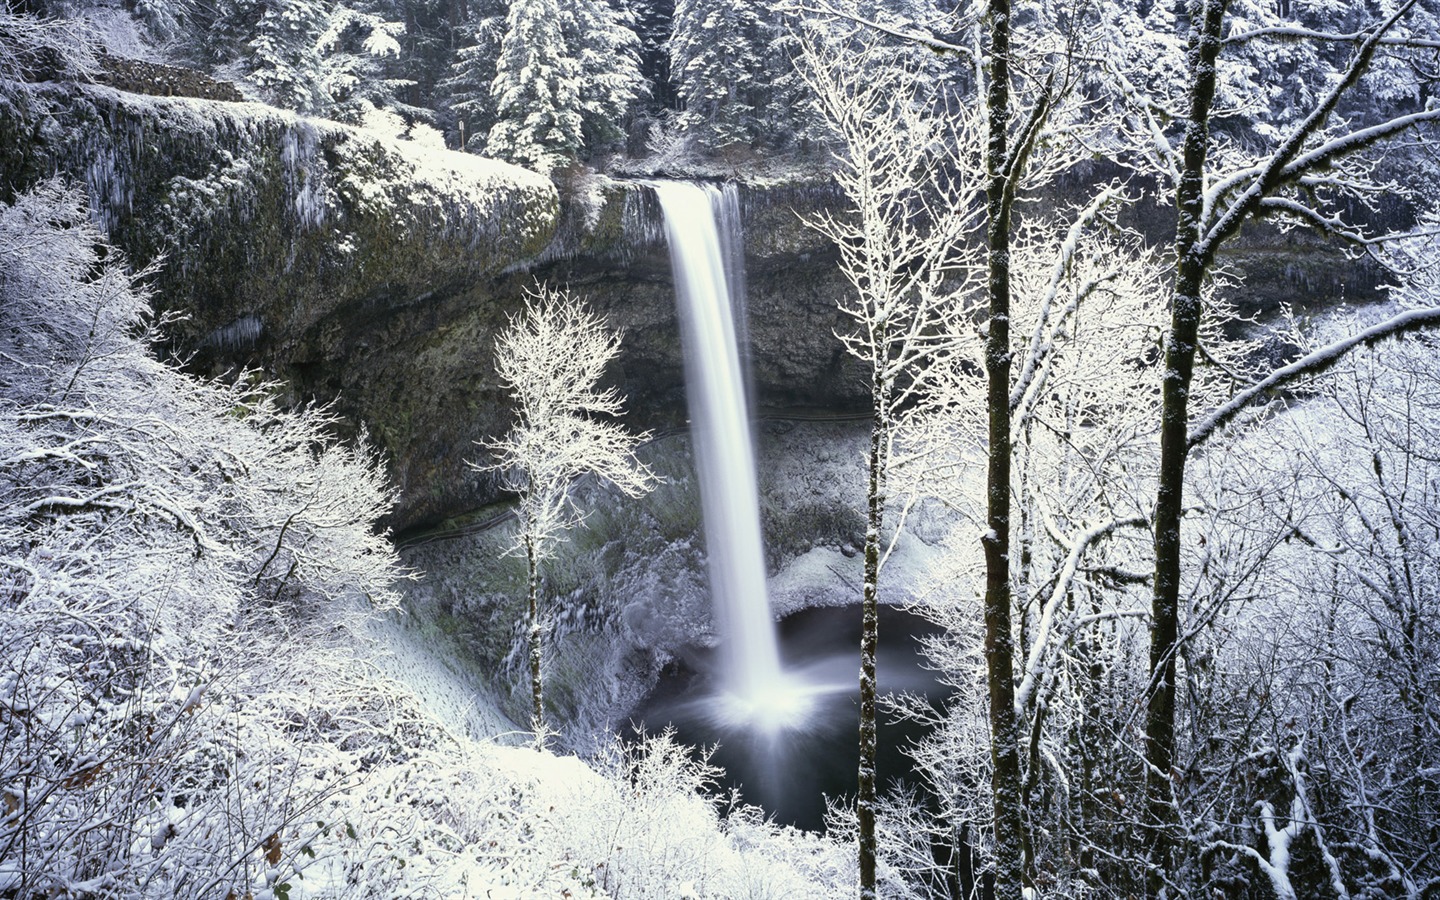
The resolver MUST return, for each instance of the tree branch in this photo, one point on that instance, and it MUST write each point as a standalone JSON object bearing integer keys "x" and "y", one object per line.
{"x": 1310, "y": 364}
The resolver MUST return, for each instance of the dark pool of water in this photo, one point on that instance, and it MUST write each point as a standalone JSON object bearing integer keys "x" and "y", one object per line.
{"x": 789, "y": 773}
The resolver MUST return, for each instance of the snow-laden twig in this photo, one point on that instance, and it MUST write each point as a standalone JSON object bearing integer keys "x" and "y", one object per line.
{"x": 1310, "y": 364}
{"x": 1064, "y": 579}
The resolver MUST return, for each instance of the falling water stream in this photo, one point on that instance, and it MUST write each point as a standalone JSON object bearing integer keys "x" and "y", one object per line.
{"x": 724, "y": 450}
{"x": 782, "y": 715}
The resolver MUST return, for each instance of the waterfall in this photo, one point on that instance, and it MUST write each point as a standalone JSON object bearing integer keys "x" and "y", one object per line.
{"x": 726, "y": 203}
{"x": 708, "y": 303}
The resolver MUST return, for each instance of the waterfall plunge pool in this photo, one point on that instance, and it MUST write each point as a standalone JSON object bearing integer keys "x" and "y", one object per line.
{"x": 803, "y": 747}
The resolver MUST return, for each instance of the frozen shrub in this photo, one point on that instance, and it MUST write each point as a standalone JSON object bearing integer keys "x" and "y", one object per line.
{"x": 157, "y": 535}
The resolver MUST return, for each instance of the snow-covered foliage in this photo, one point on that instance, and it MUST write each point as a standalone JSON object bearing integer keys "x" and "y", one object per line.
{"x": 552, "y": 358}
{"x": 167, "y": 546}
{"x": 910, "y": 189}
{"x": 1284, "y": 70}
{"x": 465, "y": 90}
{"x": 37, "y": 49}
{"x": 566, "y": 76}
{"x": 189, "y": 704}
{"x": 718, "y": 55}
{"x": 492, "y": 822}
{"x": 536, "y": 89}
{"x": 1308, "y": 752}
{"x": 732, "y": 65}
{"x": 317, "y": 57}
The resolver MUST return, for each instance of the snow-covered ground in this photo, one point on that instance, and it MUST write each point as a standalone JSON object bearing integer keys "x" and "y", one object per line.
{"x": 205, "y": 690}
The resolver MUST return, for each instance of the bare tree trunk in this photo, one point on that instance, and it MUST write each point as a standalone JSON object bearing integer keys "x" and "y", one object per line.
{"x": 1010, "y": 836}
{"x": 870, "y": 637}
{"x": 537, "y": 652}
{"x": 1193, "y": 260}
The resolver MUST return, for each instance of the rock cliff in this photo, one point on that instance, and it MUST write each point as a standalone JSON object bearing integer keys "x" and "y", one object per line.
{"x": 374, "y": 274}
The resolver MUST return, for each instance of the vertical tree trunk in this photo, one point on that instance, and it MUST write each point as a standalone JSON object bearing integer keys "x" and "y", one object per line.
{"x": 1193, "y": 261}
{"x": 537, "y": 652}
{"x": 870, "y": 633}
{"x": 1010, "y": 837}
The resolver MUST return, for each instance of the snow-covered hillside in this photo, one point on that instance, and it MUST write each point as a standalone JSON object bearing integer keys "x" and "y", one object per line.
{"x": 199, "y": 696}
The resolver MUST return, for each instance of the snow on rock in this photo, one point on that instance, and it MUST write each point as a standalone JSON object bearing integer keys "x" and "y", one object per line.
{"x": 331, "y": 171}
{"x": 254, "y": 209}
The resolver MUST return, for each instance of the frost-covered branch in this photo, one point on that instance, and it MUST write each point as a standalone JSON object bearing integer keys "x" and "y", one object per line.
{"x": 1289, "y": 159}
{"x": 1065, "y": 578}
{"x": 909, "y": 35}
{"x": 1300, "y": 33}
{"x": 1311, "y": 363}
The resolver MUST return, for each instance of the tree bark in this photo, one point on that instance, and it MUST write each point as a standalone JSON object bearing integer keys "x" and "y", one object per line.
{"x": 537, "y": 651}
{"x": 1193, "y": 260}
{"x": 1011, "y": 855}
{"x": 870, "y": 635}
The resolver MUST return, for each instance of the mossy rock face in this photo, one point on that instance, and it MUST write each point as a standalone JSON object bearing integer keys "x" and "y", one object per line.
{"x": 369, "y": 274}
{"x": 375, "y": 275}
{"x": 358, "y": 270}
{"x": 1301, "y": 269}
{"x": 620, "y": 261}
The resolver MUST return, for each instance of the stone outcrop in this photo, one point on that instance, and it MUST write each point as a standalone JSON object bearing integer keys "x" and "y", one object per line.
{"x": 156, "y": 79}
{"x": 356, "y": 270}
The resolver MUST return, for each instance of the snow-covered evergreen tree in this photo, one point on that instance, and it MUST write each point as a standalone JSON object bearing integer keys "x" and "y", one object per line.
{"x": 353, "y": 49}
{"x": 536, "y": 90}
{"x": 318, "y": 57}
{"x": 654, "y": 20}
{"x": 718, "y": 57}
{"x": 466, "y": 92}
{"x": 567, "y": 74}
{"x": 284, "y": 56}
{"x": 604, "y": 41}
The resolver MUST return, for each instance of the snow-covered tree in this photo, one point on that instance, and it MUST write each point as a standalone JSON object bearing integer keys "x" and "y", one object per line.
{"x": 604, "y": 40}
{"x": 567, "y": 75}
{"x": 898, "y": 242}
{"x": 171, "y": 551}
{"x": 1364, "y": 697}
{"x": 284, "y": 59}
{"x": 466, "y": 92}
{"x": 718, "y": 58}
{"x": 320, "y": 57}
{"x": 552, "y": 358}
{"x": 1304, "y": 174}
{"x": 1304, "y": 760}
{"x": 654, "y": 23}
{"x": 536, "y": 90}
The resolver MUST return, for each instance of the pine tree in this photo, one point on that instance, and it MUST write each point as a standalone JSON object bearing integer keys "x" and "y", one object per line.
{"x": 566, "y": 77}
{"x": 285, "y": 61}
{"x": 604, "y": 41}
{"x": 654, "y": 23}
{"x": 718, "y": 59}
{"x": 536, "y": 90}
{"x": 466, "y": 93}
{"x": 318, "y": 57}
